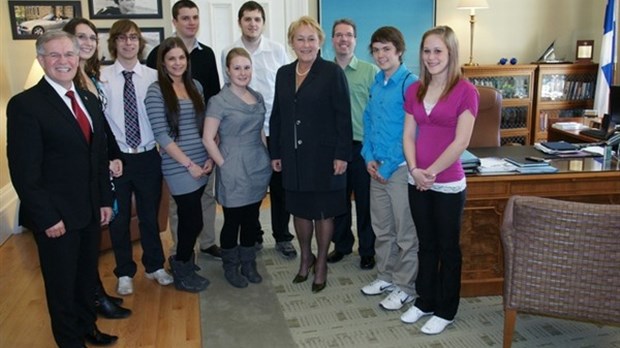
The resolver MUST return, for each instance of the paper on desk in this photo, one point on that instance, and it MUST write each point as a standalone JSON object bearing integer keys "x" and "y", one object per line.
{"x": 495, "y": 165}
{"x": 569, "y": 125}
{"x": 599, "y": 150}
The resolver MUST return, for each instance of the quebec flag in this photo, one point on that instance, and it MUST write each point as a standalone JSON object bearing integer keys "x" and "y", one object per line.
{"x": 607, "y": 59}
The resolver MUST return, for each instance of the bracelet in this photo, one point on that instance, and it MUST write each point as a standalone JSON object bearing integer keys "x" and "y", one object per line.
{"x": 189, "y": 165}
{"x": 412, "y": 169}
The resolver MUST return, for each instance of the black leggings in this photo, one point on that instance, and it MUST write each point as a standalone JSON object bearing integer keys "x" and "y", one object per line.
{"x": 189, "y": 211}
{"x": 240, "y": 223}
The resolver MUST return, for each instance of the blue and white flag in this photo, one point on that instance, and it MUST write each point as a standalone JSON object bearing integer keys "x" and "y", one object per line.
{"x": 607, "y": 59}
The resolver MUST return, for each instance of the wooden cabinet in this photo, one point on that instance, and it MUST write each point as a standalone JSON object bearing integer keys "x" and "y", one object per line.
{"x": 578, "y": 179}
{"x": 563, "y": 92}
{"x": 516, "y": 84}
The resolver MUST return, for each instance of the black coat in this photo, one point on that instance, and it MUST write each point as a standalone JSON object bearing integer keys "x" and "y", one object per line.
{"x": 56, "y": 173}
{"x": 311, "y": 127}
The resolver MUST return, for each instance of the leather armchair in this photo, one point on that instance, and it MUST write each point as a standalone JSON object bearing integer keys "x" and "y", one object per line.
{"x": 486, "y": 128}
{"x": 562, "y": 259}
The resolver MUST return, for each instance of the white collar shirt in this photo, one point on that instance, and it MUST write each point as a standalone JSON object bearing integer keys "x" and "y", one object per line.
{"x": 266, "y": 60}
{"x": 113, "y": 83}
{"x": 62, "y": 92}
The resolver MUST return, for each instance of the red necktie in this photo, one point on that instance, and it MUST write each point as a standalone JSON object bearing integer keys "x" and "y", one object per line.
{"x": 80, "y": 116}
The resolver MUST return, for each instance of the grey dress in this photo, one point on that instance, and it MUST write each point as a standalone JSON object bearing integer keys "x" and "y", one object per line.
{"x": 245, "y": 174}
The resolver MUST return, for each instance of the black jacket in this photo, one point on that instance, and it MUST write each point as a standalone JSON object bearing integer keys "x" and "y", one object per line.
{"x": 311, "y": 127}
{"x": 56, "y": 173}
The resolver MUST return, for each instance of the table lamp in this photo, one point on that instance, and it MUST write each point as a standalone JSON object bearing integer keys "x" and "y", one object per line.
{"x": 35, "y": 74}
{"x": 472, "y": 6}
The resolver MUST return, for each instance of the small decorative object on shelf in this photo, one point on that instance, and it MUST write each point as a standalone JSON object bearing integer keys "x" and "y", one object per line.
{"x": 584, "y": 52}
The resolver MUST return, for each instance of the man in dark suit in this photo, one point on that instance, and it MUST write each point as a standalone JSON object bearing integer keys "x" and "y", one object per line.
{"x": 58, "y": 165}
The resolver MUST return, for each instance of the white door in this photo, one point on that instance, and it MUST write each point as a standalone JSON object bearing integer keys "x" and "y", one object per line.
{"x": 219, "y": 28}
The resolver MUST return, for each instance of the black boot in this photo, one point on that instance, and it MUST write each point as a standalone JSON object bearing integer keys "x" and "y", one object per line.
{"x": 185, "y": 276}
{"x": 231, "y": 262}
{"x": 107, "y": 308}
{"x": 248, "y": 264}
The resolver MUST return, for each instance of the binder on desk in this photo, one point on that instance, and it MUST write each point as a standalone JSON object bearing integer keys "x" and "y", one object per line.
{"x": 469, "y": 160}
{"x": 537, "y": 169}
{"x": 523, "y": 161}
{"x": 560, "y": 146}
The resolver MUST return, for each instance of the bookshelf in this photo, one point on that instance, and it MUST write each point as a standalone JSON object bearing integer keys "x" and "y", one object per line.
{"x": 516, "y": 84}
{"x": 563, "y": 92}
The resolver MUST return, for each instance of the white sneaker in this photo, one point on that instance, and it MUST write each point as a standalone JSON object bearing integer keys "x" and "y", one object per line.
{"x": 377, "y": 287}
{"x": 162, "y": 277}
{"x": 125, "y": 286}
{"x": 412, "y": 315}
{"x": 396, "y": 300}
{"x": 435, "y": 325}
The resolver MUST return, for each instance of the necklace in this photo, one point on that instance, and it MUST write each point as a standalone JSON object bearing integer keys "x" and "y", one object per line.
{"x": 301, "y": 74}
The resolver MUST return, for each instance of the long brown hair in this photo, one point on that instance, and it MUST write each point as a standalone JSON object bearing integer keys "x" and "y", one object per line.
{"x": 454, "y": 71}
{"x": 171, "y": 100}
{"x": 93, "y": 64}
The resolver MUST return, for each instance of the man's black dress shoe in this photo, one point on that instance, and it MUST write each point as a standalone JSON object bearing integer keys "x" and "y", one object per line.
{"x": 367, "y": 262}
{"x": 117, "y": 300}
{"x": 98, "y": 338}
{"x": 107, "y": 308}
{"x": 335, "y": 256}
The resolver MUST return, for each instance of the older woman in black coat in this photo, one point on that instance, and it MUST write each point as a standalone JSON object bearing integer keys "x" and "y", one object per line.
{"x": 311, "y": 140}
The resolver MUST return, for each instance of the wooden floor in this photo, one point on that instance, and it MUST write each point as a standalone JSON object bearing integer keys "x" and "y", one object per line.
{"x": 162, "y": 316}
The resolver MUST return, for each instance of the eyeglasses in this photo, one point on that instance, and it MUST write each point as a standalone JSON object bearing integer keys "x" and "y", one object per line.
{"x": 57, "y": 56}
{"x": 132, "y": 37}
{"x": 84, "y": 37}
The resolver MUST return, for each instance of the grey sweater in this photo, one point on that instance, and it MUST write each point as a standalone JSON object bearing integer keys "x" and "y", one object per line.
{"x": 177, "y": 177}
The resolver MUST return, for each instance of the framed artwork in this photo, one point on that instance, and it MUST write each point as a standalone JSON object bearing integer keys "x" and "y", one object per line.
{"x": 411, "y": 17}
{"x": 153, "y": 37}
{"x": 114, "y": 9}
{"x": 29, "y": 19}
{"x": 584, "y": 51}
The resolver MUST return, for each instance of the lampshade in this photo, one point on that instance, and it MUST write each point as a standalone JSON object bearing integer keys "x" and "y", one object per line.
{"x": 472, "y": 5}
{"x": 35, "y": 74}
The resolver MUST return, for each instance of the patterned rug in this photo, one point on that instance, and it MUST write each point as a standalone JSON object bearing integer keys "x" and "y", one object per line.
{"x": 340, "y": 316}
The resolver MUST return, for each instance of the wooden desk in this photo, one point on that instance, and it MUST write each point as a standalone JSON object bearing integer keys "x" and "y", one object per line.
{"x": 582, "y": 180}
{"x": 571, "y": 136}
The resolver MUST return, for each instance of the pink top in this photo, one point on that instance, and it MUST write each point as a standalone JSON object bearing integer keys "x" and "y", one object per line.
{"x": 437, "y": 130}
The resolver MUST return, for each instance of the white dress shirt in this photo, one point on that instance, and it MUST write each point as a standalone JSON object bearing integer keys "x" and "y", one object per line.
{"x": 266, "y": 60}
{"x": 62, "y": 92}
{"x": 113, "y": 83}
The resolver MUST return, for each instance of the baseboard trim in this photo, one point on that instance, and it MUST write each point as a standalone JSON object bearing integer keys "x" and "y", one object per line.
{"x": 9, "y": 209}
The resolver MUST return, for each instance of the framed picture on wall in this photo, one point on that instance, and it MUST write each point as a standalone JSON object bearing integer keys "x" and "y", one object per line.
{"x": 412, "y": 17}
{"x": 114, "y": 9}
{"x": 29, "y": 19}
{"x": 153, "y": 37}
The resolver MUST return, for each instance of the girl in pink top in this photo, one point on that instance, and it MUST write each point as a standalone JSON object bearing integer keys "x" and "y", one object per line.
{"x": 440, "y": 113}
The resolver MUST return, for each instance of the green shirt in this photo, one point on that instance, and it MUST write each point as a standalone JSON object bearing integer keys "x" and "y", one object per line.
{"x": 360, "y": 76}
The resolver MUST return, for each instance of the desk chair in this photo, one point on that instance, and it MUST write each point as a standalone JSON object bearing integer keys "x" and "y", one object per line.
{"x": 486, "y": 128}
{"x": 560, "y": 259}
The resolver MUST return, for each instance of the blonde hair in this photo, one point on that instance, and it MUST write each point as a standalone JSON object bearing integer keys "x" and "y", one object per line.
{"x": 309, "y": 21}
